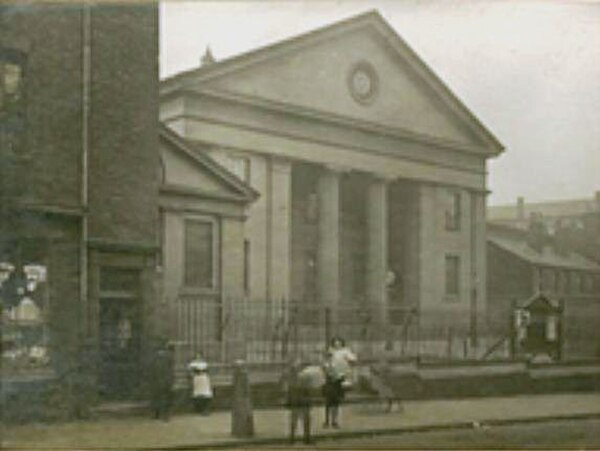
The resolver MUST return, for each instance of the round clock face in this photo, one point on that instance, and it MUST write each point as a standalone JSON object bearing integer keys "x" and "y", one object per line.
{"x": 363, "y": 82}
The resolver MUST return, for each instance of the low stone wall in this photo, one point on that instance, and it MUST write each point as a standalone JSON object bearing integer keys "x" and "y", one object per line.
{"x": 415, "y": 380}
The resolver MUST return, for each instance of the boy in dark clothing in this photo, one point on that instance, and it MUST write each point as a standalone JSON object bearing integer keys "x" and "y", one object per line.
{"x": 333, "y": 393}
{"x": 298, "y": 399}
{"x": 163, "y": 376}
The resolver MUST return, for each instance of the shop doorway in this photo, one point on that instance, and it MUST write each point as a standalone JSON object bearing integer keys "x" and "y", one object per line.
{"x": 119, "y": 333}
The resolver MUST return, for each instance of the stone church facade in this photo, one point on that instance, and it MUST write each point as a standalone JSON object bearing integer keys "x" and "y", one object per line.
{"x": 371, "y": 174}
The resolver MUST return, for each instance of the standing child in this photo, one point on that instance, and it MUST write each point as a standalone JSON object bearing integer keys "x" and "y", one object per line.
{"x": 163, "y": 378}
{"x": 297, "y": 384}
{"x": 202, "y": 392}
{"x": 333, "y": 392}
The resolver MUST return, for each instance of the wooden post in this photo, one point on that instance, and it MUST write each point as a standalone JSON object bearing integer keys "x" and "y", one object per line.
{"x": 449, "y": 344}
{"x": 242, "y": 420}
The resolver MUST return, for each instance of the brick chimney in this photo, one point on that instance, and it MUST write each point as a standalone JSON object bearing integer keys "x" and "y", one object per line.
{"x": 207, "y": 58}
{"x": 520, "y": 208}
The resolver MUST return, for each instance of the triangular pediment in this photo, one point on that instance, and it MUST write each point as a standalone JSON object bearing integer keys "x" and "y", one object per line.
{"x": 187, "y": 169}
{"x": 359, "y": 69}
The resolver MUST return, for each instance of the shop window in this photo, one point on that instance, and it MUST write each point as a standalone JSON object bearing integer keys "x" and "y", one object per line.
{"x": 25, "y": 309}
{"x": 199, "y": 254}
{"x": 453, "y": 210}
{"x": 452, "y": 276}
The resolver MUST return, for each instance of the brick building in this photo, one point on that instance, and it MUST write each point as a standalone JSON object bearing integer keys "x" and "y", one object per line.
{"x": 519, "y": 267}
{"x": 79, "y": 181}
{"x": 573, "y": 223}
{"x": 371, "y": 174}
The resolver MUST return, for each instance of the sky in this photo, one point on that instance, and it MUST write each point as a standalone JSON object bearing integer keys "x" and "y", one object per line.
{"x": 529, "y": 70}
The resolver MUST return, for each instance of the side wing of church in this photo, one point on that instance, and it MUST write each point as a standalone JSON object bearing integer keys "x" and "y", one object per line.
{"x": 371, "y": 174}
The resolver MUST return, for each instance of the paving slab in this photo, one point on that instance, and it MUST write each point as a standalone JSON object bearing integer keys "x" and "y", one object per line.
{"x": 194, "y": 432}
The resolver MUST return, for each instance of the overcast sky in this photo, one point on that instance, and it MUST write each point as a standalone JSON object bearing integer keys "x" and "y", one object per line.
{"x": 529, "y": 70}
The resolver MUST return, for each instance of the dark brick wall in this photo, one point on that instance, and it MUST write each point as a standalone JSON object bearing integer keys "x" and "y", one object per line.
{"x": 508, "y": 277}
{"x": 50, "y": 156}
{"x": 123, "y": 155}
{"x": 63, "y": 277}
{"x": 123, "y": 144}
{"x": 124, "y": 124}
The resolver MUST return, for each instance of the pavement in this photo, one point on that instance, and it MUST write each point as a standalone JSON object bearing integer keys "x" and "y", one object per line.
{"x": 188, "y": 431}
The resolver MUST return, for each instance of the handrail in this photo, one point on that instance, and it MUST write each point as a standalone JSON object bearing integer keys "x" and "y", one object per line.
{"x": 494, "y": 347}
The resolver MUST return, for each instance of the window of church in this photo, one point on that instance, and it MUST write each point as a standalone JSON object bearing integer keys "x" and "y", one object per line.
{"x": 453, "y": 210}
{"x": 199, "y": 254}
{"x": 452, "y": 276}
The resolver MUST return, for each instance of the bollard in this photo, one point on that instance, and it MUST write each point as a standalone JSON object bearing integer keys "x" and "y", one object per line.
{"x": 242, "y": 421}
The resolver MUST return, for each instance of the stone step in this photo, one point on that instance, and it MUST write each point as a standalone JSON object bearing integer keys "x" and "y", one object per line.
{"x": 114, "y": 409}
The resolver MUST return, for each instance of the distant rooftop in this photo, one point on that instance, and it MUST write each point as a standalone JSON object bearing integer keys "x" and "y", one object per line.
{"x": 521, "y": 210}
{"x": 516, "y": 243}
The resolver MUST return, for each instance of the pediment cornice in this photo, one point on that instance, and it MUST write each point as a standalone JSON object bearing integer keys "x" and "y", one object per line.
{"x": 325, "y": 117}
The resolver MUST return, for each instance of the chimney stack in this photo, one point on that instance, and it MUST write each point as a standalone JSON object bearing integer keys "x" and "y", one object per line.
{"x": 207, "y": 58}
{"x": 520, "y": 208}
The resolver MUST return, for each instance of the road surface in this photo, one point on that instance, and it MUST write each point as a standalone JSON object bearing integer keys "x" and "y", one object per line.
{"x": 568, "y": 434}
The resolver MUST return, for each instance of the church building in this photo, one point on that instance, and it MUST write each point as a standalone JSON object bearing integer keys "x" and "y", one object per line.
{"x": 371, "y": 175}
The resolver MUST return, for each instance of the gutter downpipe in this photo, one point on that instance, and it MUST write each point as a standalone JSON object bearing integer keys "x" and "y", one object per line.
{"x": 85, "y": 329}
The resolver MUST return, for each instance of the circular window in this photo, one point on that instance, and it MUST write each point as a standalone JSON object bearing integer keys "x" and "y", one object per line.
{"x": 363, "y": 82}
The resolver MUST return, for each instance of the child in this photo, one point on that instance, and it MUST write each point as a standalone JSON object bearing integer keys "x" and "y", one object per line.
{"x": 202, "y": 392}
{"x": 162, "y": 380}
{"x": 379, "y": 381}
{"x": 298, "y": 399}
{"x": 333, "y": 392}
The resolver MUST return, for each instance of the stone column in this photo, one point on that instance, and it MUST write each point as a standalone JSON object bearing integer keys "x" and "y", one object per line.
{"x": 328, "y": 255}
{"x": 479, "y": 306}
{"x": 377, "y": 251}
{"x": 280, "y": 217}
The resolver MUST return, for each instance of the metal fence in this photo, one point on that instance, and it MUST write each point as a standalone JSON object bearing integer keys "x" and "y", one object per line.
{"x": 223, "y": 330}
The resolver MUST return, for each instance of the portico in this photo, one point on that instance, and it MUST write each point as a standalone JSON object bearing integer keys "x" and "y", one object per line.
{"x": 371, "y": 173}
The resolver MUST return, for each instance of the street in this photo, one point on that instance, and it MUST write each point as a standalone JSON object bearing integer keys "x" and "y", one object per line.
{"x": 573, "y": 434}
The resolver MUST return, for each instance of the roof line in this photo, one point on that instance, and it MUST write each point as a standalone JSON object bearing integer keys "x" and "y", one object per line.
{"x": 395, "y": 40}
{"x": 200, "y": 157}
{"x": 268, "y": 47}
{"x": 574, "y": 267}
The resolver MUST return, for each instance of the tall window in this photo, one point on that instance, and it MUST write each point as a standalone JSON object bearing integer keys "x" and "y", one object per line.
{"x": 199, "y": 261}
{"x": 247, "y": 266}
{"x": 452, "y": 275}
{"x": 453, "y": 210}
{"x": 12, "y": 87}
